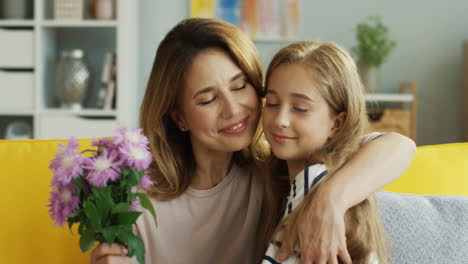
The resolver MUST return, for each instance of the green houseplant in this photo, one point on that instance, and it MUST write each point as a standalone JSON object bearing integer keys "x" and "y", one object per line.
{"x": 374, "y": 46}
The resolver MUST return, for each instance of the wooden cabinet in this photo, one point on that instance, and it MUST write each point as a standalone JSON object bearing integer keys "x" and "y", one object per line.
{"x": 394, "y": 112}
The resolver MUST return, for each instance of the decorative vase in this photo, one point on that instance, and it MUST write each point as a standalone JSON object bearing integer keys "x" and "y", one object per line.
{"x": 17, "y": 9}
{"x": 72, "y": 82}
{"x": 370, "y": 76}
{"x": 102, "y": 9}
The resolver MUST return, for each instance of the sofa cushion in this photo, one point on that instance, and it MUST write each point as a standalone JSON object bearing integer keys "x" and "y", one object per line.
{"x": 426, "y": 228}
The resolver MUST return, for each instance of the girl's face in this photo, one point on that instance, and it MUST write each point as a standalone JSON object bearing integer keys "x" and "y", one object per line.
{"x": 218, "y": 107}
{"x": 297, "y": 120}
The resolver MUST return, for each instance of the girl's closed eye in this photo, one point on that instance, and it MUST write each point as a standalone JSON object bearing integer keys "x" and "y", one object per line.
{"x": 300, "y": 109}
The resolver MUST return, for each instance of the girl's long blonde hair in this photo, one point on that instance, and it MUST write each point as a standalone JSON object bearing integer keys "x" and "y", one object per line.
{"x": 173, "y": 163}
{"x": 341, "y": 87}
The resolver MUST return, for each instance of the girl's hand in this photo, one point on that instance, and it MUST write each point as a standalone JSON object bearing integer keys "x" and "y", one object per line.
{"x": 320, "y": 231}
{"x": 108, "y": 254}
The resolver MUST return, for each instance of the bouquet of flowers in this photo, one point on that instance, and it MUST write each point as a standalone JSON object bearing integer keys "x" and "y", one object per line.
{"x": 102, "y": 192}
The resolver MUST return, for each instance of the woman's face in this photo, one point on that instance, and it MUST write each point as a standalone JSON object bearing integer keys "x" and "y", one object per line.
{"x": 297, "y": 120}
{"x": 218, "y": 107}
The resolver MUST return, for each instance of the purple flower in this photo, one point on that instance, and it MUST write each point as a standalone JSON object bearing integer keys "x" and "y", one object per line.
{"x": 62, "y": 203}
{"x": 103, "y": 168}
{"x": 135, "y": 205}
{"x": 107, "y": 143}
{"x": 135, "y": 156}
{"x": 145, "y": 182}
{"x": 67, "y": 163}
{"x": 132, "y": 136}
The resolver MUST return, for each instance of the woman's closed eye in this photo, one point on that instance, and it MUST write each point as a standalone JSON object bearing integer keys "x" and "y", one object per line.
{"x": 205, "y": 102}
{"x": 240, "y": 88}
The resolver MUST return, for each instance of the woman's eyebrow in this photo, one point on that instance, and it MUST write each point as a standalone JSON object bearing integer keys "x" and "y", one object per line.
{"x": 211, "y": 88}
{"x": 203, "y": 91}
{"x": 237, "y": 76}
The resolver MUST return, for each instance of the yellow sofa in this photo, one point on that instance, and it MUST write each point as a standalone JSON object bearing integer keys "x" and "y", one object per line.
{"x": 28, "y": 235}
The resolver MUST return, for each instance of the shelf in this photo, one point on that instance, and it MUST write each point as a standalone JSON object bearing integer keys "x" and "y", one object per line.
{"x": 16, "y": 23}
{"x": 395, "y": 98}
{"x": 16, "y": 112}
{"x": 79, "y": 23}
{"x": 84, "y": 112}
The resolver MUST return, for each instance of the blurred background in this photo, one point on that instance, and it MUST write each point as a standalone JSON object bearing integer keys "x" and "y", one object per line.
{"x": 83, "y": 70}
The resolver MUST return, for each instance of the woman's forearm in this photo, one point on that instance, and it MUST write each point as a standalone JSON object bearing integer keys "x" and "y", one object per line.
{"x": 375, "y": 165}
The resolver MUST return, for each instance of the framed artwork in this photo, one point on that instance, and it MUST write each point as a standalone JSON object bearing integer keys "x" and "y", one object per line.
{"x": 260, "y": 19}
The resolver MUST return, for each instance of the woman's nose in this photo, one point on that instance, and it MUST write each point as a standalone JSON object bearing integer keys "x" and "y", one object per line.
{"x": 231, "y": 107}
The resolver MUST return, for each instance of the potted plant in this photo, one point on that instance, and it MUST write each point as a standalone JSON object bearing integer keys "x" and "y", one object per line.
{"x": 374, "y": 46}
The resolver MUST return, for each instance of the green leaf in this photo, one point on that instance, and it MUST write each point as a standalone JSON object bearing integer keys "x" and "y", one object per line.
{"x": 146, "y": 203}
{"x": 86, "y": 242}
{"x": 93, "y": 215}
{"x": 126, "y": 218}
{"x": 120, "y": 208}
{"x": 134, "y": 242}
{"x": 134, "y": 177}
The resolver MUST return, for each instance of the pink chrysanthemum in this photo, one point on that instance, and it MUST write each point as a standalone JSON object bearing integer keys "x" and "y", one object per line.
{"x": 135, "y": 156}
{"x": 67, "y": 163}
{"x": 135, "y": 205}
{"x": 132, "y": 136}
{"x": 62, "y": 203}
{"x": 145, "y": 182}
{"x": 103, "y": 168}
{"x": 107, "y": 143}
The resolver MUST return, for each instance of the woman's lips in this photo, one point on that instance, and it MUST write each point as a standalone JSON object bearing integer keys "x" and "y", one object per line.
{"x": 236, "y": 128}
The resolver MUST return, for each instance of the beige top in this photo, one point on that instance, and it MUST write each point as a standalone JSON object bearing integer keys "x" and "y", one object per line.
{"x": 206, "y": 226}
{"x": 218, "y": 225}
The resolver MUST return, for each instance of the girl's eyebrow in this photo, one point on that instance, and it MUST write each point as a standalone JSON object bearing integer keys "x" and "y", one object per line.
{"x": 298, "y": 95}
{"x": 302, "y": 96}
{"x": 211, "y": 88}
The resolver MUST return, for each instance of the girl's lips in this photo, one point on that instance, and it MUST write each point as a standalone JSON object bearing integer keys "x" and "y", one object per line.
{"x": 236, "y": 128}
{"x": 281, "y": 138}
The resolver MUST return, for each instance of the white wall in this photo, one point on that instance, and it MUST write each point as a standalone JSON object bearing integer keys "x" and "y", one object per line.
{"x": 429, "y": 36}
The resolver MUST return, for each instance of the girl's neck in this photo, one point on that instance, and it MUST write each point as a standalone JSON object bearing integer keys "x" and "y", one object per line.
{"x": 210, "y": 169}
{"x": 296, "y": 166}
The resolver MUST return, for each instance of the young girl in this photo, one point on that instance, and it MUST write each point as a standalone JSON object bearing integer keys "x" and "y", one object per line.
{"x": 314, "y": 119}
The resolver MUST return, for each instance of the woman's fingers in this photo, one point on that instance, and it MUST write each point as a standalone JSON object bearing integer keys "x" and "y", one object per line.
{"x": 106, "y": 250}
{"x": 114, "y": 260}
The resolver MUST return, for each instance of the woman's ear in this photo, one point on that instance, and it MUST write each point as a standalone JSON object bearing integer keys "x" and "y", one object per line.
{"x": 179, "y": 120}
{"x": 338, "y": 123}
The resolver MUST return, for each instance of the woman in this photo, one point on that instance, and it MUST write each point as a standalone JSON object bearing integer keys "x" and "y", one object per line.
{"x": 200, "y": 112}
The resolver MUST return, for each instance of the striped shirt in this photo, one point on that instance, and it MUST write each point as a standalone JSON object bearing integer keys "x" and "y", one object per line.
{"x": 303, "y": 183}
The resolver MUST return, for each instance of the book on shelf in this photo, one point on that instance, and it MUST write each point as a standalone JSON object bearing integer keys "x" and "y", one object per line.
{"x": 108, "y": 82}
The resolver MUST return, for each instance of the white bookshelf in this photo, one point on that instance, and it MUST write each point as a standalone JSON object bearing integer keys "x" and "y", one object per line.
{"x": 390, "y": 98}
{"x": 95, "y": 38}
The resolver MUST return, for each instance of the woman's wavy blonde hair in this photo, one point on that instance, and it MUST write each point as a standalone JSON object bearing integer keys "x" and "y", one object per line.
{"x": 173, "y": 164}
{"x": 341, "y": 87}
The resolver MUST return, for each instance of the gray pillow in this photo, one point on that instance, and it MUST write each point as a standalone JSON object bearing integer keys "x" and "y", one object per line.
{"x": 425, "y": 228}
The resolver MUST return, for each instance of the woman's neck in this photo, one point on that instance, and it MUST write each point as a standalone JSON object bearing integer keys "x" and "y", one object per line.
{"x": 211, "y": 169}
